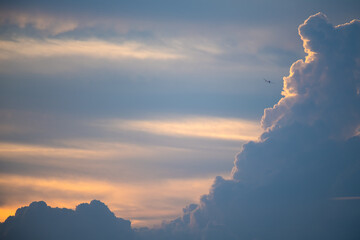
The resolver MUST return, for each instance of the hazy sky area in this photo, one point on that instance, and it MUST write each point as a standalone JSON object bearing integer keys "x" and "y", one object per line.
{"x": 141, "y": 104}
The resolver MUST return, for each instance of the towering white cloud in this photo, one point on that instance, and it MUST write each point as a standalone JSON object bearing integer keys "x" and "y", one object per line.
{"x": 321, "y": 100}
{"x": 323, "y": 88}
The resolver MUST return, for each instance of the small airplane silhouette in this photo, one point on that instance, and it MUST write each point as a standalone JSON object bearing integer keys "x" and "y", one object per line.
{"x": 268, "y": 81}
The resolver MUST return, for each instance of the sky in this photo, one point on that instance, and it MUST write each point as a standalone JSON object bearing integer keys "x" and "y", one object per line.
{"x": 141, "y": 104}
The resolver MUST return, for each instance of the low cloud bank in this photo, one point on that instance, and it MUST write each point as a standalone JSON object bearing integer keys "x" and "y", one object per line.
{"x": 300, "y": 181}
{"x": 88, "y": 221}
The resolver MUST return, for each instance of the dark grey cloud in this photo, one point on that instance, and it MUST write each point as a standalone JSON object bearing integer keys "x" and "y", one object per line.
{"x": 287, "y": 185}
{"x": 87, "y": 221}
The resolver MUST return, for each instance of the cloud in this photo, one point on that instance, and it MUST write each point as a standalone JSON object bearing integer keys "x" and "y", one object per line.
{"x": 284, "y": 186}
{"x": 34, "y": 48}
{"x": 87, "y": 221}
{"x": 198, "y": 127}
{"x": 81, "y": 149}
{"x": 323, "y": 87}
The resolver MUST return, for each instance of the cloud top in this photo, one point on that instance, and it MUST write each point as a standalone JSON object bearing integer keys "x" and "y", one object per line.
{"x": 323, "y": 89}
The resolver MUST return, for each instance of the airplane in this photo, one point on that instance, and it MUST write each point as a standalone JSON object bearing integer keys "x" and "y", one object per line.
{"x": 268, "y": 81}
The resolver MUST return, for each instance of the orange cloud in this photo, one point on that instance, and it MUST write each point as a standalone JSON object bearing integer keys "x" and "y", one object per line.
{"x": 200, "y": 127}
{"x": 80, "y": 149}
{"x": 27, "y": 47}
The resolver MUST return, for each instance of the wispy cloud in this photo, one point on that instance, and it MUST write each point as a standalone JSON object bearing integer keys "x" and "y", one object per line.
{"x": 89, "y": 150}
{"x": 73, "y": 153}
{"x": 34, "y": 48}
{"x": 198, "y": 127}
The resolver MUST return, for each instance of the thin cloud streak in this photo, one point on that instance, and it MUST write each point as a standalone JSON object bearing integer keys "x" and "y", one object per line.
{"x": 33, "y": 48}
{"x": 194, "y": 127}
{"x": 86, "y": 150}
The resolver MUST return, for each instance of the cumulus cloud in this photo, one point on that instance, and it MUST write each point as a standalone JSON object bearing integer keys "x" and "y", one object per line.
{"x": 323, "y": 88}
{"x": 293, "y": 183}
{"x": 87, "y": 221}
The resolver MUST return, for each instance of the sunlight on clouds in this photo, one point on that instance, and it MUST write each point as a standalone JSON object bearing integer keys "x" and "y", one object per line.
{"x": 33, "y": 48}
{"x": 17, "y": 150}
{"x": 7, "y": 211}
{"x": 199, "y": 127}
{"x": 113, "y": 160}
{"x": 55, "y": 184}
{"x": 144, "y": 203}
{"x": 161, "y": 201}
